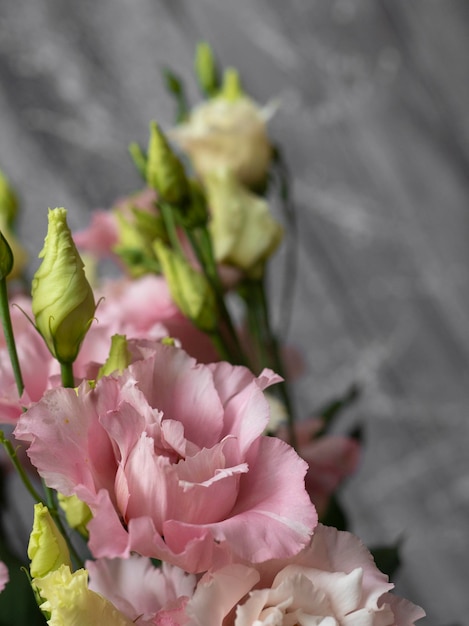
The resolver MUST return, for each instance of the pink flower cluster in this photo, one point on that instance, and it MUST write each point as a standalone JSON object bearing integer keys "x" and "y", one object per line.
{"x": 171, "y": 458}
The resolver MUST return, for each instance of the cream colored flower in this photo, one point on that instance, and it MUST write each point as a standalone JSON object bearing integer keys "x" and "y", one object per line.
{"x": 228, "y": 134}
{"x": 70, "y": 602}
{"x": 47, "y": 548}
{"x": 243, "y": 231}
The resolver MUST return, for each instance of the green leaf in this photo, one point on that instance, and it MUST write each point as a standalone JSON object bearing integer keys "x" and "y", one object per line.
{"x": 175, "y": 87}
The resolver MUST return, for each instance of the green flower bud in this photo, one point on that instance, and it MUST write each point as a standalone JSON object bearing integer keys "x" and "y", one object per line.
{"x": 6, "y": 258}
{"x": 206, "y": 69}
{"x": 244, "y": 233}
{"x": 164, "y": 171}
{"x": 62, "y": 299}
{"x": 231, "y": 89}
{"x": 77, "y": 513}
{"x": 119, "y": 357}
{"x": 189, "y": 288}
{"x": 8, "y": 201}
{"x": 47, "y": 549}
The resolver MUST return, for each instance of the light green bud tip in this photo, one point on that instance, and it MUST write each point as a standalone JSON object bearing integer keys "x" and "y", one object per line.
{"x": 77, "y": 513}
{"x": 206, "y": 68}
{"x": 47, "y": 549}
{"x": 231, "y": 89}
{"x": 62, "y": 299}
{"x": 6, "y": 257}
{"x": 189, "y": 288}
{"x": 119, "y": 357}
{"x": 8, "y": 200}
{"x": 164, "y": 171}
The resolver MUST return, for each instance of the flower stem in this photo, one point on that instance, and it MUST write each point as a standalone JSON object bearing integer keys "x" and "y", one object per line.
{"x": 66, "y": 371}
{"x": 268, "y": 354}
{"x": 9, "y": 337}
{"x": 11, "y": 452}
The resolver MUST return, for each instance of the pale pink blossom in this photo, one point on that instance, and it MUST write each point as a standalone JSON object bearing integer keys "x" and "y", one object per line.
{"x": 143, "y": 307}
{"x": 171, "y": 459}
{"x": 34, "y": 358}
{"x": 334, "y": 581}
{"x": 4, "y": 576}
{"x": 331, "y": 459}
{"x": 139, "y": 589}
{"x": 140, "y": 308}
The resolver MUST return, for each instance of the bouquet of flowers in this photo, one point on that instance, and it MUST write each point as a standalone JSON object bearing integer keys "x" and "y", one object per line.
{"x": 172, "y": 484}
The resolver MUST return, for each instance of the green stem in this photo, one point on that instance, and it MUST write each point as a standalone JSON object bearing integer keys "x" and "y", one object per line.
{"x": 73, "y": 553}
{"x": 9, "y": 337}
{"x": 267, "y": 346}
{"x": 11, "y": 452}
{"x": 202, "y": 246}
{"x": 66, "y": 371}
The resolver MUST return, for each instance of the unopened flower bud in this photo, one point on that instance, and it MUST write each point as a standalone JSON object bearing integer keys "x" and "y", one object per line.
{"x": 119, "y": 357}
{"x": 77, "y": 513}
{"x": 189, "y": 289}
{"x": 244, "y": 233}
{"x": 206, "y": 69}
{"x": 228, "y": 132}
{"x": 47, "y": 549}
{"x": 6, "y": 257}
{"x": 69, "y": 601}
{"x": 231, "y": 89}
{"x": 164, "y": 171}
{"x": 62, "y": 299}
{"x": 8, "y": 201}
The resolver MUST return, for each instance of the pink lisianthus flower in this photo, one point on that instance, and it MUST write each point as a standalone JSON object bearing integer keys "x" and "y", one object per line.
{"x": 140, "y": 590}
{"x": 143, "y": 307}
{"x": 171, "y": 460}
{"x": 35, "y": 361}
{"x": 333, "y": 581}
{"x": 4, "y": 576}
{"x": 331, "y": 459}
{"x": 140, "y": 308}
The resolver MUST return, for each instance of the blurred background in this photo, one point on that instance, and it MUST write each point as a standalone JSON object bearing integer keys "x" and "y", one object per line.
{"x": 373, "y": 118}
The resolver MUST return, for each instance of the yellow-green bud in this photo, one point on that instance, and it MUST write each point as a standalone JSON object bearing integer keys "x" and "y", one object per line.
{"x": 231, "y": 89}
{"x": 47, "y": 549}
{"x": 6, "y": 257}
{"x": 77, "y": 513}
{"x": 8, "y": 200}
{"x": 62, "y": 299}
{"x": 69, "y": 601}
{"x": 206, "y": 69}
{"x": 189, "y": 289}
{"x": 244, "y": 233}
{"x": 164, "y": 171}
{"x": 119, "y": 357}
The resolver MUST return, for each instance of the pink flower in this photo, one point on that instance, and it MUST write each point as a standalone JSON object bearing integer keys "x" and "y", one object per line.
{"x": 171, "y": 460}
{"x": 333, "y": 581}
{"x": 143, "y": 308}
{"x": 4, "y": 576}
{"x": 138, "y": 589}
{"x": 140, "y": 308}
{"x": 330, "y": 458}
{"x": 35, "y": 361}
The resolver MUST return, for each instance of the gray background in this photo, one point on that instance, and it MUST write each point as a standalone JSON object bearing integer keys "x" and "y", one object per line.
{"x": 374, "y": 120}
